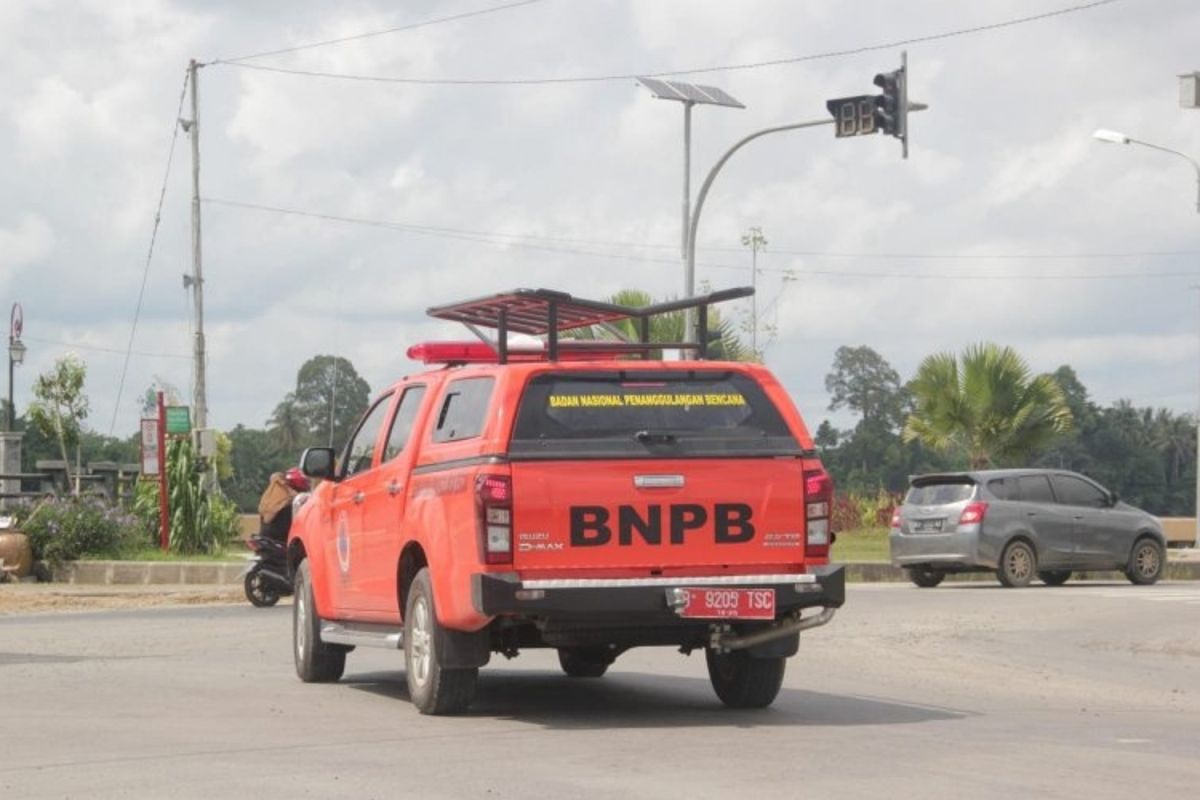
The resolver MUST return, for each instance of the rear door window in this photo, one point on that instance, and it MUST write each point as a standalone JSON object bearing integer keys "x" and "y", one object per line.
{"x": 940, "y": 493}
{"x": 1034, "y": 489}
{"x": 632, "y": 413}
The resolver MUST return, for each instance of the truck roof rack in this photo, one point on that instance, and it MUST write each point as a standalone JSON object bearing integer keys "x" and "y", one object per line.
{"x": 547, "y": 312}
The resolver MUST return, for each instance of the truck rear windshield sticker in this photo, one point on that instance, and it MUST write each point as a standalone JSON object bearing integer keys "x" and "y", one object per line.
{"x": 641, "y": 400}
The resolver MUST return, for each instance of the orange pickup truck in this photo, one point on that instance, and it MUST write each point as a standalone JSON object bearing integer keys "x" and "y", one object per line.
{"x": 566, "y": 492}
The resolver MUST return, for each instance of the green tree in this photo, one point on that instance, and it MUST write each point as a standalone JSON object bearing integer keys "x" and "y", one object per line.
{"x": 724, "y": 342}
{"x": 864, "y": 382}
{"x": 60, "y": 406}
{"x": 990, "y": 407}
{"x": 329, "y": 390}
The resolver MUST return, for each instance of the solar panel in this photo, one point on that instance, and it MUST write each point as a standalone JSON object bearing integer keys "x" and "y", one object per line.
{"x": 689, "y": 93}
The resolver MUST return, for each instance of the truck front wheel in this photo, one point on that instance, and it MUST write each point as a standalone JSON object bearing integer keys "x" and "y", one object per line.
{"x": 433, "y": 689}
{"x": 742, "y": 681}
{"x": 316, "y": 662}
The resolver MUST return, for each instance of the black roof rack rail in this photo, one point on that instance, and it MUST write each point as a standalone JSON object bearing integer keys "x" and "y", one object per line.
{"x": 547, "y": 312}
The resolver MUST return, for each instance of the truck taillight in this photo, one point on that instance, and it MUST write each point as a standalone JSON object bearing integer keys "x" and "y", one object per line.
{"x": 973, "y": 514}
{"x": 493, "y": 503}
{"x": 818, "y": 500}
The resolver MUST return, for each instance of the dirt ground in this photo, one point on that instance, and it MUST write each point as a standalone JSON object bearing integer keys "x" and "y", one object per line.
{"x": 32, "y": 598}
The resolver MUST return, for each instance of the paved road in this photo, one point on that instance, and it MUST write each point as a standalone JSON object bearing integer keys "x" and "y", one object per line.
{"x": 966, "y": 691}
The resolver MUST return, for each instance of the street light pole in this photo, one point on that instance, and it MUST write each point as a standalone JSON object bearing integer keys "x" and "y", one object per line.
{"x": 1113, "y": 137}
{"x": 16, "y": 355}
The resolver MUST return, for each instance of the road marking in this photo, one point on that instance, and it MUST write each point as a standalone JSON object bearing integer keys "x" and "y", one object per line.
{"x": 1135, "y": 741}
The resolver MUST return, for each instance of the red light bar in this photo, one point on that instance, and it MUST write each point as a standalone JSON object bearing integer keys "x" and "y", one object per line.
{"x": 483, "y": 353}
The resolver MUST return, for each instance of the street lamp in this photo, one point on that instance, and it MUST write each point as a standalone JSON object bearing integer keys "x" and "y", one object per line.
{"x": 1114, "y": 137}
{"x": 16, "y": 355}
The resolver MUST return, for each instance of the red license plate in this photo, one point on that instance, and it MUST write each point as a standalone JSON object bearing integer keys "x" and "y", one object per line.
{"x": 722, "y": 603}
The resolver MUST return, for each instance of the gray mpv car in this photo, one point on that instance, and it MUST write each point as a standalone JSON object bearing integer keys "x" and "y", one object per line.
{"x": 1021, "y": 523}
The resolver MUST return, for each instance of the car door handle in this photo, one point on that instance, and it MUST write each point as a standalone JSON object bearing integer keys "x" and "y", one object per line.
{"x": 1031, "y": 513}
{"x": 358, "y": 498}
{"x": 1077, "y": 517}
{"x": 394, "y": 488}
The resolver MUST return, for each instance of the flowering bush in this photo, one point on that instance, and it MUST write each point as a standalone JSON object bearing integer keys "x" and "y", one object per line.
{"x": 852, "y": 510}
{"x": 66, "y": 528}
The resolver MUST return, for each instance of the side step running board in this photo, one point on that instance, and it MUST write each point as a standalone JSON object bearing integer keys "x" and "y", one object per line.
{"x": 362, "y": 633}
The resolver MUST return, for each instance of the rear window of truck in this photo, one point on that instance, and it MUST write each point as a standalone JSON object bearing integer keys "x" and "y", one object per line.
{"x": 632, "y": 414}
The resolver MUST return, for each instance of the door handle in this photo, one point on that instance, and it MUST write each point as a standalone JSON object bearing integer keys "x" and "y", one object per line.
{"x": 1077, "y": 517}
{"x": 1031, "y": 513}
{"x": 358, "y": 498}
{"x": 394, "y": 488}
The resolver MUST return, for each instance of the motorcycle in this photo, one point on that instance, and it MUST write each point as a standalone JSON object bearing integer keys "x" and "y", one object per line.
{"x": 266, "y": 578}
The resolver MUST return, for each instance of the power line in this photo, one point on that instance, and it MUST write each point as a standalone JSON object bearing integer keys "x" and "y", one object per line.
{"x": 370, "y": 34}
{"x": 506, "y": 240}
{"x": 677, "y": 72}
{"x": 92, "y": 348}
{"x": 162, "y": 194}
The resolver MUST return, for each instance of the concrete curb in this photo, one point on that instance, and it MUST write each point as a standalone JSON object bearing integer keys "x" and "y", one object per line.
{"x": 226, "y": 573}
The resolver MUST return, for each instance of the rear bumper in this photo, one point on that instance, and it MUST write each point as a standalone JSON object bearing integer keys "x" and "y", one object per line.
{"x": 643, "y": 600}
{"x": 959, "y": 548}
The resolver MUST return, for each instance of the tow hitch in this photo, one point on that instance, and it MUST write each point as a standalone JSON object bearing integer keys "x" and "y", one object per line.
{"x": 723, "y": 639}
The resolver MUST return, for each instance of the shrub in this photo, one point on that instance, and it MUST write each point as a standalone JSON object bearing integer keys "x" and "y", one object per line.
{"x": 68, "y": 528}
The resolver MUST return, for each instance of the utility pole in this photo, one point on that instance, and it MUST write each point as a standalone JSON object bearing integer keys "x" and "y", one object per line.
{"x": 755, "y": 240}
{"x": 196, "y": 280}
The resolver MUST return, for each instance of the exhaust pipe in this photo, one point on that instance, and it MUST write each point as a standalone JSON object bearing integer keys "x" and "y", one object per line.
{"x": 723, "y": 640}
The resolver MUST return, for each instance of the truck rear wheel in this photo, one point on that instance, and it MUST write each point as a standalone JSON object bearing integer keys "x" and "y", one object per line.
{"x": 583, "y": 662}
{"x": 433, "y": 689}
{"x": 742, "y": 681}
{"x": 316, "y": 662}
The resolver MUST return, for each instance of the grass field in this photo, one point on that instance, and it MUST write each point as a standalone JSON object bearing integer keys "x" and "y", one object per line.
{"x": 861, "y": 544}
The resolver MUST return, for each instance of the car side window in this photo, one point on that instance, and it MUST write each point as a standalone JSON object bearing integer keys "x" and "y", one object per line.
{"x": 1034, "y": 489}
{"x": 464, "y": 409}
{"x": 1073, "y": 491}
{"x": 999, "y": 488}
{"x": 402, "y": 423}
{"x": 361, "y": 448}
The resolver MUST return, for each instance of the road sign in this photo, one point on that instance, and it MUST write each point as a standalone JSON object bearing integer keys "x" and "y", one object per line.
{"x": 150, "y": 452}
{"x": 179, "y": 420}
{"x": 854, "y": 116}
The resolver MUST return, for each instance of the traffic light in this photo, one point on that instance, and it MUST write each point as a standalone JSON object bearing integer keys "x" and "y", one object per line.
{"x": 891, "y": 106}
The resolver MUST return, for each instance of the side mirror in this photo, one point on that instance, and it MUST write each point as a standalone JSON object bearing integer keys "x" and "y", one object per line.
{"x": 318, "y": 462}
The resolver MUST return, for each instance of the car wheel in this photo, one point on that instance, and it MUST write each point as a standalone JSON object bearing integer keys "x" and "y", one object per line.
{"x": 433, "y": 689}
{"x": 583, "y": 662}
{"x": 1146, "y": 562}
{"x": 316, "y": 661}
{"x": 1018, "y": 565}
{"x": 744, "y": 682}
{"x": 257, "y": 593}
{"x": 1054, "y": 577}
{"x": 926, "y": 577}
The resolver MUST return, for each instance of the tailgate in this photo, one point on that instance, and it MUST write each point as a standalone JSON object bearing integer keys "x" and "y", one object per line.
{"x": 658, "y": 515}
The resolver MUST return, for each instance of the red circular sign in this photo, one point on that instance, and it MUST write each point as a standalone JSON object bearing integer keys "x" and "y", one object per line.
{"x": 16, "y": 322}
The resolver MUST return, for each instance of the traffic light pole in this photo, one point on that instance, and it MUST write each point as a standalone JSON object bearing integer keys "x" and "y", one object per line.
{"x": 690, "y": 271}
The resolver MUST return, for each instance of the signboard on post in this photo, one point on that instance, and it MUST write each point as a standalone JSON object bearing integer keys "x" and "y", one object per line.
{"x": 150, "y": 454}
{"x": 179, "y": 420}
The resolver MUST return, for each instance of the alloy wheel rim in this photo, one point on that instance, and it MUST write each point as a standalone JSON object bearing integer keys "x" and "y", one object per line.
{"x": 1019, "y": 563}
{"x": 1147, "y": 561}
{"x": 301, "y": 623}
{"x": 422, "y": 652}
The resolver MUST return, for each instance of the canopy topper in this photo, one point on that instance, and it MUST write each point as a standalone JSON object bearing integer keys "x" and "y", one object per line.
{"x": 546, "y": 312}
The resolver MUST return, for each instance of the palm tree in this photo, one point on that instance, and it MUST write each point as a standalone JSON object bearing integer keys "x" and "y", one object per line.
{"x": 990, "y": 406}
{"x": 724, "y": 342}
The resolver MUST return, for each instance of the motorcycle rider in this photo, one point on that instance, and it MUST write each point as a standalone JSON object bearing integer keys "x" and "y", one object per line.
{"x": 275, "y": 505}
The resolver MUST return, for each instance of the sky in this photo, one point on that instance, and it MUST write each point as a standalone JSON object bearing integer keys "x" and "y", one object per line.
{"x": 1007, "y": 223}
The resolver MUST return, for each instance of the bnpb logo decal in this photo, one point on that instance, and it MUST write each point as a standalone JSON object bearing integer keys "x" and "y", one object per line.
{"x": 343, "y": 543}
{"x": 592, "y": 526}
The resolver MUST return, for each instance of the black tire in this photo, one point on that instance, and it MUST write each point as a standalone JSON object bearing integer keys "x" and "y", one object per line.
{"x": 1018, "y": 565}
{"x": 744, "y": 682}
{"x": 1147, "y": 562}
{"x": 926, "y": 577}
{"x": 1054, "y": 577}
{"x": 583, "y": 662}
{"x": 257, "y": 592}
{"x": 432, "y": 688}
{"x": 316, "y": 662}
